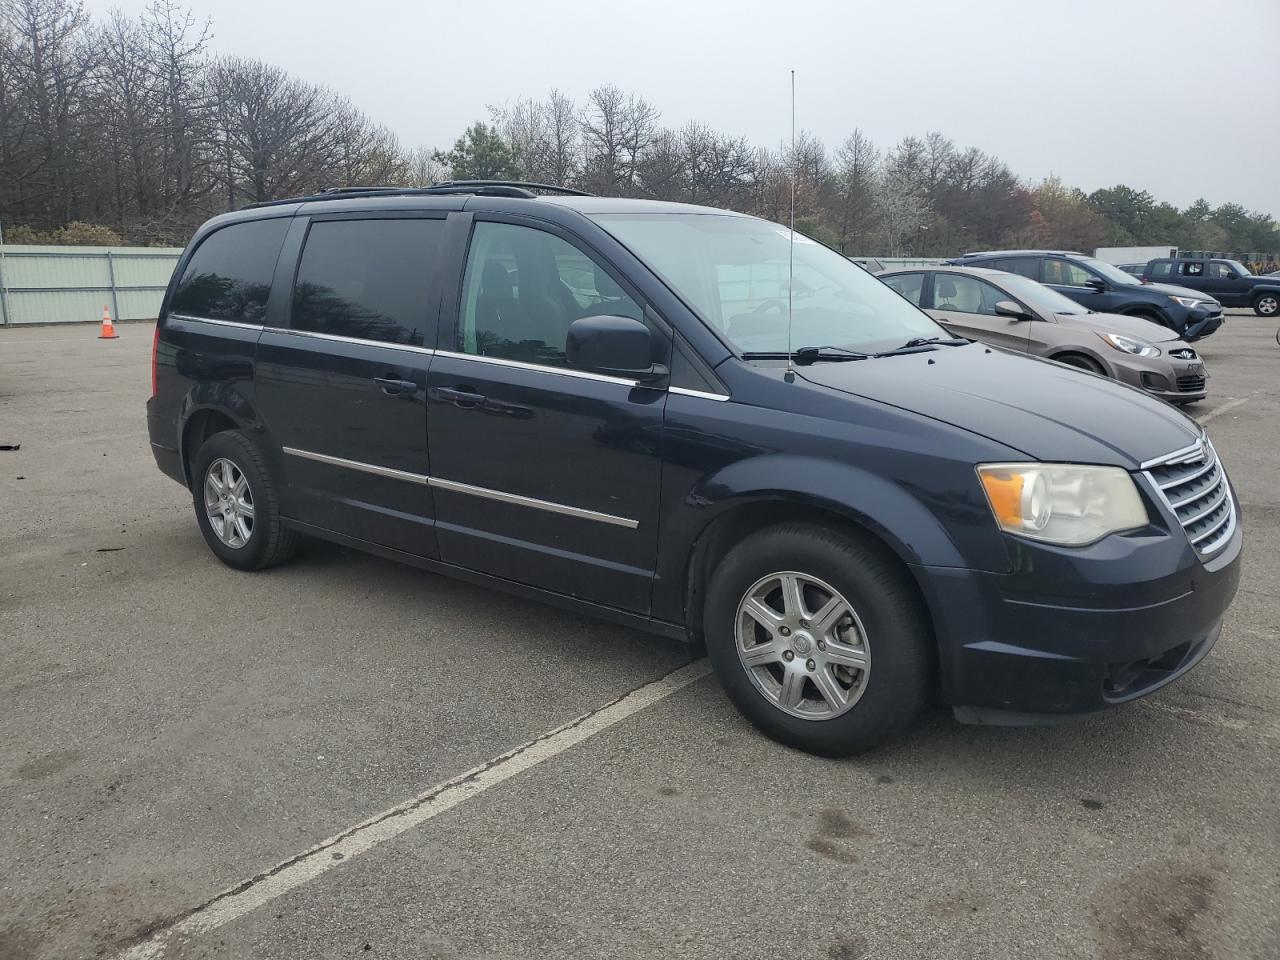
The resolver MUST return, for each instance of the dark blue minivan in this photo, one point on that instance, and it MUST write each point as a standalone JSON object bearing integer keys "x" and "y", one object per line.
{"x": 652, "y": 413}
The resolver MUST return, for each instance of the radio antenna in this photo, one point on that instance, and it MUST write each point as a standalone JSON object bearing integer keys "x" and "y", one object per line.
{"x": 791, "y": 251}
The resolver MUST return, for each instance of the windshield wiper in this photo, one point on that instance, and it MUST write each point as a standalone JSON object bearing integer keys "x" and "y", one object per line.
{"x": 807, "y": 355}
{"x": 922, "y": 344}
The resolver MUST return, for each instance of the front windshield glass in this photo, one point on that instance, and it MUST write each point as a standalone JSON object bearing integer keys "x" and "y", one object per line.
{"x": 732, "y": 271}
{"x": 1114, "y": 274}
{"x": 1038, "y": 296}
{"x": 1241, "y": 269}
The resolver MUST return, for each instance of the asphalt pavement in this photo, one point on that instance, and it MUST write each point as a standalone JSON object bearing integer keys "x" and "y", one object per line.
{"x": 344, "y": 757}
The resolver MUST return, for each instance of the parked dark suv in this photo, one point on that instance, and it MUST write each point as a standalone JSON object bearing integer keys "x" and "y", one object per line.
{"x": 1227, "y": 281}
{"x": 1107, "y": 289}
{"x": 594, "y": 402}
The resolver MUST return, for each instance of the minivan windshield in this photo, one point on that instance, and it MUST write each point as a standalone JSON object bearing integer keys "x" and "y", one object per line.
{"x": 732, "y": 271}
{"x": 1112, "y": 273}
{"x": 1038, "y": 296}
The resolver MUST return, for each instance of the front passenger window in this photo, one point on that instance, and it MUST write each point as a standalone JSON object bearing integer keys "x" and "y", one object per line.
{"x": 523, "y": 288}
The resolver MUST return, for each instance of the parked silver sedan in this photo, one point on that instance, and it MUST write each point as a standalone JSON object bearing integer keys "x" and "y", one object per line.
{"x": 1016, "y": 313}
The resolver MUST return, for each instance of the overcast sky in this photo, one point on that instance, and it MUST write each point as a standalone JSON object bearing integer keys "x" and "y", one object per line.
{"x": 1178, "y": 97}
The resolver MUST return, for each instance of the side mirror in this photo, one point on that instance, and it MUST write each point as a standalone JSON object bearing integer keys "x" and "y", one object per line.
{"x": 1099, "y": 286}
{"x": 1007, "y": 308}
{"x": 617, "y": 346}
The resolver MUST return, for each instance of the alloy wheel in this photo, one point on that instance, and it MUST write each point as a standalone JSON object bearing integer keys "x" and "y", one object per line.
{"x": 228, "y": 503}
{"x": 1268, "y": 306}
{"x": 803, "y": 645}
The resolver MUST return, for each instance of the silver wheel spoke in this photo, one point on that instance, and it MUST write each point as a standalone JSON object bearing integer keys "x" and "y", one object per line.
{"x": 835, "y": 695}
{"x": 792, "y": 688}
{"x": 762, "y": 653}
{"x": 764, "y": 615}
{"x": 245, "y": 508}
{"x": 792, "y": 596}
{"x": 846, "y": 656}
{"x": 242, "y": 528}
{"x": 238, "y": 488}
{"x": 825, "y": 619}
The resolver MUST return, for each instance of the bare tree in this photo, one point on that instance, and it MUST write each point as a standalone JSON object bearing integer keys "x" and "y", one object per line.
{"x": 856, "y": 165}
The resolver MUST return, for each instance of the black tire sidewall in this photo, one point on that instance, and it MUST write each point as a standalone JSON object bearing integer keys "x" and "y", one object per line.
{"x": 897, "y": 636}
{"x": 236, "y": 447}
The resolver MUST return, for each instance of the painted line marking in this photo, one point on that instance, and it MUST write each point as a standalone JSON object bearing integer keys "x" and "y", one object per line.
{"x": 342, "y": 847}
{"x": 1229, "y": 405}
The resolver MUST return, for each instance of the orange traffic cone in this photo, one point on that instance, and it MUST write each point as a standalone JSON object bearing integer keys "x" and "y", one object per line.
{"x": 108, "y": 330}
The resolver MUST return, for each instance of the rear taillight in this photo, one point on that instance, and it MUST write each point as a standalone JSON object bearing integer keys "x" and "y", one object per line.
{"x": 155, "y": 350}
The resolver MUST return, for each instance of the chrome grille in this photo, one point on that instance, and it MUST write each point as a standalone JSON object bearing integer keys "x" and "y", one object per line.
{"x": 1194, "y": 486}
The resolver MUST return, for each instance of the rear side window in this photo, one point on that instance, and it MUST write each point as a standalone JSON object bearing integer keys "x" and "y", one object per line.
{"x": 1023, "y": 266}
{"x": 229, "y": 276}
{"x": 909, "y": 285}
{"x": 367, "y": 279}
{"x": 1162, "y": 269}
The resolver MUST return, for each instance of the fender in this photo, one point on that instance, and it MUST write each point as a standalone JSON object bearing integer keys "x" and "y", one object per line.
{"x": 917, "y": 535}
{"x": 224, "y": 399}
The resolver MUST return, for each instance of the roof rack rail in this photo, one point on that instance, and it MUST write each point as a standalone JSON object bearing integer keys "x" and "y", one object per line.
{"x": 486, "y": 188}
{"x": 525, "y": 185}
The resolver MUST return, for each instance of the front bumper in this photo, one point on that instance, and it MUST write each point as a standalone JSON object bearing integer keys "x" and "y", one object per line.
{"x": 1169, "y": 378}
{"x": 1200, "y": 325}
{"x": 1072, "y": 632}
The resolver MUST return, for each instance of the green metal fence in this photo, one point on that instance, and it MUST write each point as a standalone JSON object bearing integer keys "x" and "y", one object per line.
{"x": 73, "y": 284}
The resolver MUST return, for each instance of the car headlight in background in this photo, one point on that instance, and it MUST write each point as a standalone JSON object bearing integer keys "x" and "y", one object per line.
{"x": 1189, "y": 302}
{"x": 1132, "y": 345}
{"x": 1061, "y": 502}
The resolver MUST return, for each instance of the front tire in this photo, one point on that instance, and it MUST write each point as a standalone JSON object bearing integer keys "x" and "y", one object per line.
{"x": 819, "y": 639}
{"x": 236, "y": 504}
{"x": 1081, "y": 362}
{"x": 1267, "y": 305}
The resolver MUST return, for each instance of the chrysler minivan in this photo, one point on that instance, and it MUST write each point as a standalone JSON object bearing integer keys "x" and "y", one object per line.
{"x": 650, "y": 413}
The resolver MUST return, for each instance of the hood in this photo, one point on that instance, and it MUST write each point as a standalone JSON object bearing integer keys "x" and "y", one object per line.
{"x": 1172, "y": 291}
{"x": 1118, "y": 323}
{"x": 1044, "y": 409}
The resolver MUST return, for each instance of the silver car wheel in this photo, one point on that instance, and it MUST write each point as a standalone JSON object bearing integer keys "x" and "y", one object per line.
{"x": 803, "y": 645}
{"x": 1268, "y": 305}
{"x": 228, "y": 503}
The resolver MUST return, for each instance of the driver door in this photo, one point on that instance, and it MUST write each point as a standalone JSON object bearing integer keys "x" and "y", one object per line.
{"x": 541, "y": 474}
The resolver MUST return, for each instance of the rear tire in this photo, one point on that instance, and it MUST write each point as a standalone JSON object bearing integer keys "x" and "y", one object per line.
{"x": 236, "y": 504}
{"x": 1266, "y": 304}
{"x": 802, "y": 686}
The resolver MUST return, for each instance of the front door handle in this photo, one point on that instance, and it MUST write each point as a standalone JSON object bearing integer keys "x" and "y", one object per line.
{"x": 394, "y": 388}
{"x": 460, "y": 397}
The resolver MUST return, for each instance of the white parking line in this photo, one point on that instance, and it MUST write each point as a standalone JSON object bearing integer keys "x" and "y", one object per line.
{"x": 342, "y": 847}
{"x": 1229, "y": 405}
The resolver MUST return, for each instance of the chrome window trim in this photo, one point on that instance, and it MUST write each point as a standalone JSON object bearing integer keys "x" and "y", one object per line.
{"x": 704, "y": 394}
{"x": 464, "y": 488}
{"x": 359, "y": 341}
{"x": 520, "y": 501}
{"x": 358, "y": 465}
{"x": 217, "y": 323}
{"x": 541, "y": 368}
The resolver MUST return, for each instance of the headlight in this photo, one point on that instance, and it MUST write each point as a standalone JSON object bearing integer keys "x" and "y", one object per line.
{"x": 1189, "y": 302}
{"x": 1131, "y": 344}
{"x": 1062, "y": 503}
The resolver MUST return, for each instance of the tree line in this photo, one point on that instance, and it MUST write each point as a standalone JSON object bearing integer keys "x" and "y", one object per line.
{"x": 129, "y": 129}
